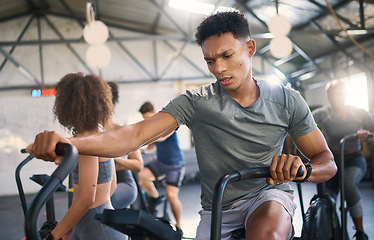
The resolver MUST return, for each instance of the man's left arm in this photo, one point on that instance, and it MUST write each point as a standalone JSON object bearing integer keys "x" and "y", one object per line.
{"x": 313, "y": 146}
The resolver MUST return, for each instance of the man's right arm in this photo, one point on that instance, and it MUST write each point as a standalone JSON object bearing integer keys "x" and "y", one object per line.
{"x": 113, "y": 143}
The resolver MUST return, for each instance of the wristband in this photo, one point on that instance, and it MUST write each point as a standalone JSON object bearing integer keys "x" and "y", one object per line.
{"x": 308, "y": 173}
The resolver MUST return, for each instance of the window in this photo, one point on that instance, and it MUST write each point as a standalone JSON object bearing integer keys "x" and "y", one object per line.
{"x": 357, "y": 91}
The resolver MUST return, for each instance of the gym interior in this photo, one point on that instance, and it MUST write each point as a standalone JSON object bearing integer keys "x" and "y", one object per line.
{"x": 149, "y": 50}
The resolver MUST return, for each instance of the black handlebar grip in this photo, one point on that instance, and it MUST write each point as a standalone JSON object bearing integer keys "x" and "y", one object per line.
{"x": 67, "y": 166}
{"x": 59, "y": 149}
{"x": 262, "y": 172}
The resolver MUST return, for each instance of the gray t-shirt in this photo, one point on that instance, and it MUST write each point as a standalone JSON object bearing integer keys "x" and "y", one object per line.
{"x": 335, "y": 128}
{"x": 230, "y": 137}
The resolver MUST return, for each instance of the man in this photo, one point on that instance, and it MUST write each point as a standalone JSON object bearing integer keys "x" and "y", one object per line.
{"x": 236, "y": 122}
{"x": 337, "y": 121}
{"x": 169, "y": 164}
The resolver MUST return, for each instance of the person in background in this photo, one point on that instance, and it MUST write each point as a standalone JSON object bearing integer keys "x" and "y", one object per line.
{"x": 127, "y": 191}
{"x": 84, "y": 103}
{"x": 169, "y": 163}
{"x": 337, "y": 121}
{"x": 236, "y": 122}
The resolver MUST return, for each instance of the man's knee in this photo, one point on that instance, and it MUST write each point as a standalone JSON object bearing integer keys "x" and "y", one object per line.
{"x": 266, "y": 231}
{"x": 146, "y": 175}
{"x": 269, "y": 221}
{"x": 172, "y": 192}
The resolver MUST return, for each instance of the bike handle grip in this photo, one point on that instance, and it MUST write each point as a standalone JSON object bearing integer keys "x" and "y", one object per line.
{"x": 247, "y": 173}
{"x": 262, "y": 172}
{"x": 59, "y": 149}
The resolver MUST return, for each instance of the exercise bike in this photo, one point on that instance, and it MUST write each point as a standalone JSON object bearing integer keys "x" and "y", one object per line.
{"x": 343, "y": 216}
{"x": 40, "y": 179}
{"x": 135, "y": 223}
{"x": 142, "y": 202}
{"x": 51, "y": 185}
{"x": 248, "y": 173}
{"x": 139, "y": 222}
{"x": 139, "y": 225}
{"x": 323, "y": 221}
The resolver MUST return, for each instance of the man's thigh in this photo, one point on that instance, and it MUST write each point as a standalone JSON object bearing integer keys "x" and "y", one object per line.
{"x": 236, "y": 217}
{"x": 231, "y": 219}
{"x": 273, "y": 210}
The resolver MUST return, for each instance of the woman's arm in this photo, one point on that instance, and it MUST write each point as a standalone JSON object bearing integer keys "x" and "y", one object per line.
{"x": 84, "y": 197}
{"x": 134, "y": 162}
{"x": 113, "y": 183}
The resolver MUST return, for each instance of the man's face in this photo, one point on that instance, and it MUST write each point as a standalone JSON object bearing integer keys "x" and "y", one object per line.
{"x": 229, "y": 59}
{"x": 148, "y": 114}
{"x": 337, "y": 96}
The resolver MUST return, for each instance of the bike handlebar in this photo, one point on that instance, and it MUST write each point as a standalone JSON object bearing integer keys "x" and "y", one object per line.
{"x": 19, "y": 182}
{"x": 342, "y": 142}
{"x": 61, "y": 172}
{"x": 248, "y": 173}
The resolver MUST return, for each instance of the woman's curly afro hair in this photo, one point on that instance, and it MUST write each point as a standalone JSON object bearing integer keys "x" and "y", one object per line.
{"x": 82, "y": 102}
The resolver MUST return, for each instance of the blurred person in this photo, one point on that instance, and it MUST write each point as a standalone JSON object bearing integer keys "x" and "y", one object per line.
{"x": 337, "y": 121}
{"x": 127, "y": 191}
{"x": 169, "y": 164}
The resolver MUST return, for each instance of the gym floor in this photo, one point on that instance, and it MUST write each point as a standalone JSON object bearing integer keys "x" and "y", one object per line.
{"x": 12, "y": 219}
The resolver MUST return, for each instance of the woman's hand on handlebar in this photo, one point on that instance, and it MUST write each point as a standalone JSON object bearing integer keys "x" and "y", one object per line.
{"x": 284, "y": 168}
{"x": 44, "y": 146}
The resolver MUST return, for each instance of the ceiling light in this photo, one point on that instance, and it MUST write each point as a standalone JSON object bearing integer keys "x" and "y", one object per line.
{"x": 192, "y": 6}
{"x": 198, "y": 7}
{"x": 95, "y": 32}
{"x": 98, "y": 56}
{"x": 353, "y": 32}
{"x": 280, "y": 46}
{"x": 225, "y": 9}
{"x": 279, "y": 25}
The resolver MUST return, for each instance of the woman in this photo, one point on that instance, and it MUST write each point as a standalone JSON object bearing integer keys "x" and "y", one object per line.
{"x": 126, "y": 192}
{"x": 82, "y": 105}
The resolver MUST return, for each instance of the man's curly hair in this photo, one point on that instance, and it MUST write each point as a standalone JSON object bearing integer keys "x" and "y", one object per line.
{"x": 82, "y": 102}
{"x": 220, "y": 23}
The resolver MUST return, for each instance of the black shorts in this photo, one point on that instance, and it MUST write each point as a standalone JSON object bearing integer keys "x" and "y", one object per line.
{"x": 173, "y": 174}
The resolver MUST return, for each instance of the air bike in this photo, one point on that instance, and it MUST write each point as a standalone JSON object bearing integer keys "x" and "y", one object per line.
{"x": 50, "y": 186}
{"x": 40, "y": 179}
{"x": 141, "y": 226}
{"x": 322, "y": 219}
{"x": 343, "y": 216}
{"x": 137, "y": 224}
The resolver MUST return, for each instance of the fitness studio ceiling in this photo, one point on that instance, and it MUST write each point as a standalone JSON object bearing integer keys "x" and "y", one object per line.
{"x": 155, "y": 42}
